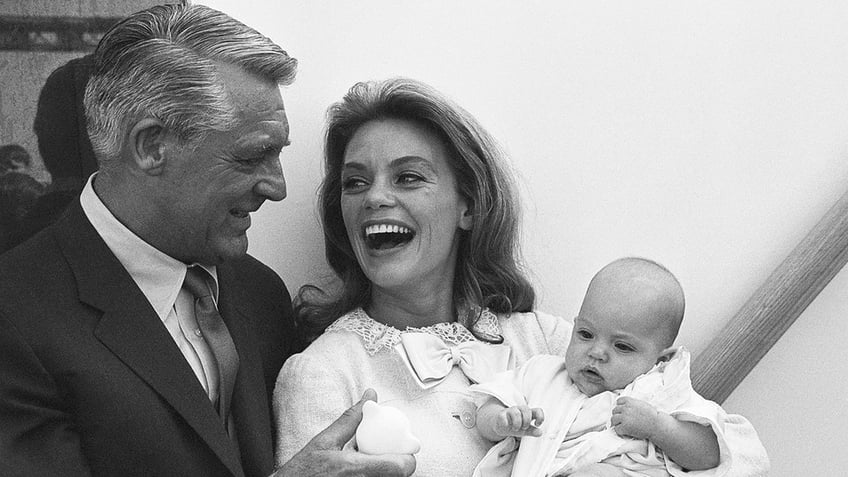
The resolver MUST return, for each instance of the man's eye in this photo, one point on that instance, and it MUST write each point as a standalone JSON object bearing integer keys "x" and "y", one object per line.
{"x": 248, "y": 161}
{"x": 624, "y": 347}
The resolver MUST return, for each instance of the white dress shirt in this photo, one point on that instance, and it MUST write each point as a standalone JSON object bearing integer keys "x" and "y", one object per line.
{"x": 160, "y": 278}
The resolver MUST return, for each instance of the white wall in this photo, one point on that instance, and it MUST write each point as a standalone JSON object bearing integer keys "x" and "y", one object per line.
{"x": 710, "y": 136}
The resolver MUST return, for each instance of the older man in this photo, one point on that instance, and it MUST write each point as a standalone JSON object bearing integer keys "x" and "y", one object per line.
{"x": 136, "y": 335}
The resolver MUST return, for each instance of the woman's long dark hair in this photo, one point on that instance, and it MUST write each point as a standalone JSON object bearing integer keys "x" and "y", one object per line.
{"x": 488, "y": 273}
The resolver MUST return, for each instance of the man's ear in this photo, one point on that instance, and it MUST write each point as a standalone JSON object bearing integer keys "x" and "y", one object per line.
{"x": 148, "y": 145}
{"x": 667, "y": 354}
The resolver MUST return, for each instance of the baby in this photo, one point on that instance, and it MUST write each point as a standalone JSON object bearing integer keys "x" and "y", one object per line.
{"x": 622, "y": 398}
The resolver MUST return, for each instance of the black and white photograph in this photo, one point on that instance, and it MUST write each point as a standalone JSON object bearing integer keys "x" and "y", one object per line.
{"x": 479, "y": 238}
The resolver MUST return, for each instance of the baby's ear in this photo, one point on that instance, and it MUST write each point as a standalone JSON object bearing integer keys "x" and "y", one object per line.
{"x": 667, "y": 354}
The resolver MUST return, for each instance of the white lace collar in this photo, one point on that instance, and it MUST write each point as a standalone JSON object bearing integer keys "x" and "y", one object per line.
{"x": 377, "y": 337}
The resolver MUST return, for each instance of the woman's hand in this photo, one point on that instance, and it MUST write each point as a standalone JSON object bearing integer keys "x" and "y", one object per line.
{"x": 323, "y": 455}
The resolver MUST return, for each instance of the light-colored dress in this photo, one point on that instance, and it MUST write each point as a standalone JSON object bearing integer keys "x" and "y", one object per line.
{"x": 356, "y": 353}
{"x": 577, "y": 428}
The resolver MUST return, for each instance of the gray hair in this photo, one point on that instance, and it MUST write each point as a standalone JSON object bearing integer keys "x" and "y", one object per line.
{"x": 161, "y": 62}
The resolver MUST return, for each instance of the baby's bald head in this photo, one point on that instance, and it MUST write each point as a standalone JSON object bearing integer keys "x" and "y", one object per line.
{"x": 645, "y": 286}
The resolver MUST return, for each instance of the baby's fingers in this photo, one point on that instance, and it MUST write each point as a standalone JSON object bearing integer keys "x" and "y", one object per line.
{"x": 615, "y": 420}
{"x": 526, "y": 417}
{"x": 535, "y": 428}
{"x": 506, "y": 422}
{"x": 518, "y": 418}
{"x": 538, "y": 417}
{"x": 515, "y": 419}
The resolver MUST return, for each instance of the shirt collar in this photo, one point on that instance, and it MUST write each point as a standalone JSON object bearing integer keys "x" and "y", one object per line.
{"x": 159, "y": 276}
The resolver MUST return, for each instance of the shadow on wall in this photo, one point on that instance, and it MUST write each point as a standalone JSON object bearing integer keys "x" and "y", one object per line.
{"x": 19, "y": 193}
{"x": 65, "y": 149}
{"x": 60, "y": 125}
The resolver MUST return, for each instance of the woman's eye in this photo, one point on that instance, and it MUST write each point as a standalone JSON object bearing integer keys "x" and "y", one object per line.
{"x": 409, "y": 178}
{"x": 624, "y": 347}
{"x": 352, "y": 183}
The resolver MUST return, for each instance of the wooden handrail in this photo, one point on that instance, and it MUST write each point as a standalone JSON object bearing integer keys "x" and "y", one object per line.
{"x": 792, "y": 286}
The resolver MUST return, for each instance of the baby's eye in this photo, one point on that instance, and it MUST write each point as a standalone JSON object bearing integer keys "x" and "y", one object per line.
{"x": 624, "y": 347}
{"x": 585, "y": 334}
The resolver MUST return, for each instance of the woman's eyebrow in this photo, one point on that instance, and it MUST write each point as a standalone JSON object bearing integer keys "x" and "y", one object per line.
{"x": 412, "y": 160}
{"x": 399, "y": 162}
{"x": 355, "y": 166}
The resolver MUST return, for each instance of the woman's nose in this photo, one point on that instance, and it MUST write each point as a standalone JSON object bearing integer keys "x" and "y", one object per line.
{"x": 272, "y": 183}
{"x": 379, "y": 195}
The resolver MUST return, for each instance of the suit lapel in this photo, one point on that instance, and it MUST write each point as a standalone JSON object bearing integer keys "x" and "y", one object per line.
{"x": 131, "y": 329}
{"x": 249, "y": 405}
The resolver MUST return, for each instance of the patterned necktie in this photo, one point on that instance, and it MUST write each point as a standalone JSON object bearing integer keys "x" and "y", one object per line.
{"x": 216, "y": 335}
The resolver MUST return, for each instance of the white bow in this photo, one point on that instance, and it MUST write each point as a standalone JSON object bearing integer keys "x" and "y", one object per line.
{"x": 430, "y": 359}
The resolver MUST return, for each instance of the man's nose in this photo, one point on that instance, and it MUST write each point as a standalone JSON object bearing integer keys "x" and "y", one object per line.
{"x": 379, "y": 195}
{"x": 272, "y": 183}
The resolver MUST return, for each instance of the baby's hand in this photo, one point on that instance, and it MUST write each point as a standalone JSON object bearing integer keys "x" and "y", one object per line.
{"x": 634, "y": 418}
{"x": 520, "y": 421}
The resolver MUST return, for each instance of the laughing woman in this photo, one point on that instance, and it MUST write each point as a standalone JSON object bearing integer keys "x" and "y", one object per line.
{"x": 421, "y": 226}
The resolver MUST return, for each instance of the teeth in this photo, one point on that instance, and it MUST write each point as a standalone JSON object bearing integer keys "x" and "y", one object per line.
{"x": 386, "y": 229}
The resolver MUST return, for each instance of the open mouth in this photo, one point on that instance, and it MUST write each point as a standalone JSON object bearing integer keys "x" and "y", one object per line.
{"x": 386, "y": 236}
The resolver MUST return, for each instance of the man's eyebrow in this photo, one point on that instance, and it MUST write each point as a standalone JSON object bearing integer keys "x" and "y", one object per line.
{"x": 264, "y": 146}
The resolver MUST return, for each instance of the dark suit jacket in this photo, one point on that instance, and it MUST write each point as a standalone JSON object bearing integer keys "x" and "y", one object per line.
{"x": 91, "y": 383}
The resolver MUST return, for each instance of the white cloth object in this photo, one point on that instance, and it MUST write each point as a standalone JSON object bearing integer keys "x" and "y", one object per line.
{"x": 577, "y": 430}
{"x": 356, "y": 353}
{"x": 430, "y": 359}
